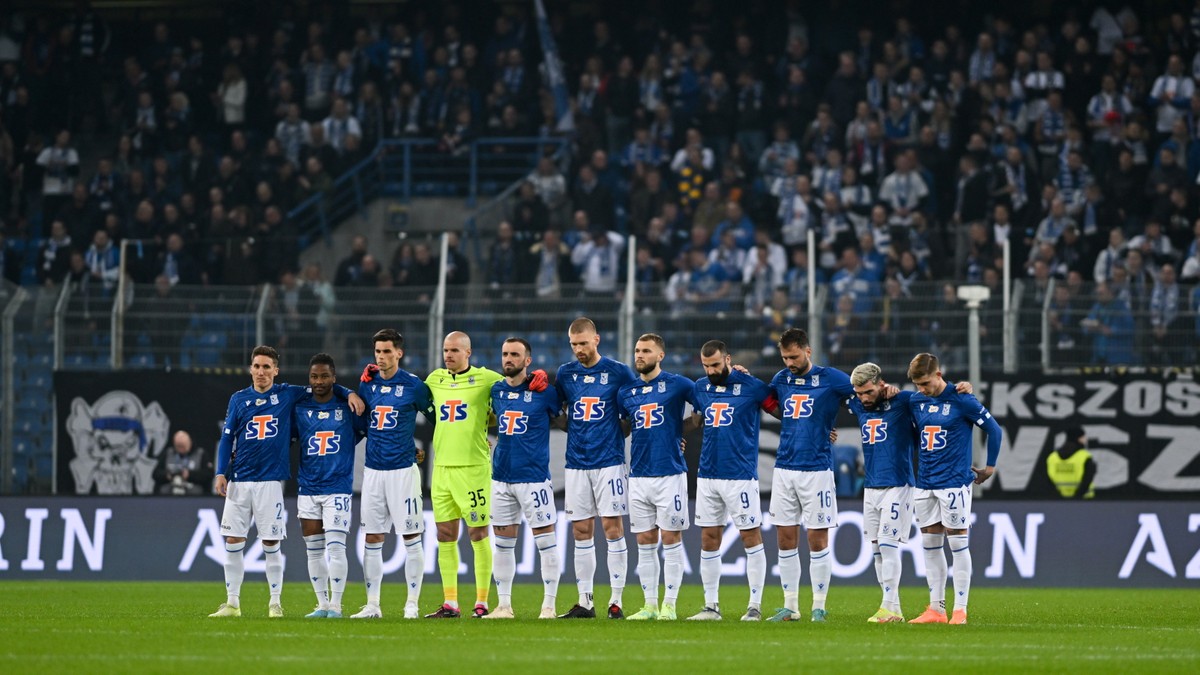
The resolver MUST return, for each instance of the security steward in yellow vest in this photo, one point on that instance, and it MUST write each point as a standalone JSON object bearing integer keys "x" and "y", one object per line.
{"x": 1071, "y": 467}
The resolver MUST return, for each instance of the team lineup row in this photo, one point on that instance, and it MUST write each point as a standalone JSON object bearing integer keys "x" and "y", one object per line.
{"x": 600, "y": 402}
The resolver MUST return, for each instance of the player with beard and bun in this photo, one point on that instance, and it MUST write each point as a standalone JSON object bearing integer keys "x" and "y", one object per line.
{"x": 391, "y": 488}
{"x": 727, "y": 481}
{"x": 596, "y": 472}
{"x": 653, "y": 408}
{"x": 521, "y": 476}
{"x": 253, "y": 460}
{"x": 328, "y": 432}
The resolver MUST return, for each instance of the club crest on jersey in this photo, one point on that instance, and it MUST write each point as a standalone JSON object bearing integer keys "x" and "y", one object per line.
{"x": 323, "y": 415}
{"x": 399, "y": 391}
{"x": 337, "y": 415}
{"x": 274, "y": 399}
{"x": 945, "y": 408}
{"x": 816, "y": 380}
{"x": 603, "y": 378}
{"x": 529, "y": 397}
{"x": 737, "y": 390}
{"x": 662, "y": 386}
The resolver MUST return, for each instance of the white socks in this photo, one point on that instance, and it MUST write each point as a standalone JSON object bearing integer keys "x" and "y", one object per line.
{"x": 648, "y": 569}
{"x": 235, "y": 571}
{"x": 789, "y": 578}
{"x": 414, "y": 569}
{"x": 935, "y": 569}
{"x": 547, "y": 545}
{"x": 339, "y": 567}
{"x": 710, "y": 576}
{"x": 274, "y": 570}
{"x": 756, "y": 574}
{"x": 618, "y": 562}
{"x": 504, "y": 568}
{"x": 318, "y": 571}
{"x": 889, "y": 580}
{"x": 820, "y": 571}
{"x": 585, "y": 570}
{"x": 373, "y": 571}
{"x": 962, "y": 569}
{"x": 672, "y": 571}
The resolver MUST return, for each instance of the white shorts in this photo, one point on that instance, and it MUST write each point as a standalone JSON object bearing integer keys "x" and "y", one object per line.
{"x": 534, "y": 500}
{"x": 887, "y": 513}
{"x": 949, "y": 506}
{"x": 804, "y": 497}
{"x": 596, "y": 492}
{"x": 658, "y": 501}
{"x": 719, "y": 501}
{"x": 334, "y": 511}
{"x": 260, "y": 500}
{"x": 392, "y": 498}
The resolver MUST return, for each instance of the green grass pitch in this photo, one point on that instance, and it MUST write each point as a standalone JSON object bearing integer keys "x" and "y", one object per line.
{"x": 87, "y": 627}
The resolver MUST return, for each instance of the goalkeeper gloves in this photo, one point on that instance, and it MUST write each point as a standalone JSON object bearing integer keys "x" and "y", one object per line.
{"x": 537, "y": 380}
{"x": 369, "y": 372}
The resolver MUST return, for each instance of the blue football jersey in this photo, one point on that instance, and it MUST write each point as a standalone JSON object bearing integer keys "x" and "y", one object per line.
{"x": 655, "y": 412}
{"x": 810, "y": 405}
{"x": 594, "y": 438}
{"x": 887, "y": 440}
{"x": 392, "y": 407}
{"x": 943, "y": 425}
{"x": 257, "y": 435}
{"x": 328, "y": 433}
{"x": 522, "y": 453}
{"x": 731, "y": 418}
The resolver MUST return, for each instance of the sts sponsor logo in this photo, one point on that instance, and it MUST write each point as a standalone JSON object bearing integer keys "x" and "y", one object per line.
{"x": 718, "y": 415}
{"x": 588, "y": 409}
{"x": 452, "y": 411}
{"x": 649, "y": 415}
{"x": 933, "y": 437}
{"x": 384, "y": 417}
{"x": 262, "y": 427}
{"x": 513, "y": 422}
{"x": 874, "y": 431}
{"x": 797, "y": 406}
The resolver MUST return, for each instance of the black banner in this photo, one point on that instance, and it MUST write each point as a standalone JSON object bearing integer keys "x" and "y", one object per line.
{"x": 1143, "y": 432}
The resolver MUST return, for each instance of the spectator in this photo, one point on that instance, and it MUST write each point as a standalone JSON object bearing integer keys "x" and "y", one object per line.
{"x": 349, "y": 270}
{"x": 103, "y": 261}
{"x": 549, "y": 266}
{"x": 739, "y": 223}
{"x": 1110, "y": 325}
{"x": 593, "y": 198}
{"x": 55, "y": 256}
{"x": 598, "y": 261}
{"x": 184, "y": 469}
{"x": 60, "y": 167}
{"x": 1167, "y": 320}
{"x": 340, "y": 125}
{"x": 503, "y": 264}
{"x": 904, "y": 191}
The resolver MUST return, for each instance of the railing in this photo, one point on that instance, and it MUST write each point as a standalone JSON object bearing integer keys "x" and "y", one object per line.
{"x": 407, "y": 168}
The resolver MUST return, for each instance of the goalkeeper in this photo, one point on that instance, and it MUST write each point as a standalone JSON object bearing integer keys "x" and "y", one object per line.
{"x": 462, "y": 468}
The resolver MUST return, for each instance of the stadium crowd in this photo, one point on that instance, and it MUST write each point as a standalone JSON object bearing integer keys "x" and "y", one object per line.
{"x": 913, "y": 148}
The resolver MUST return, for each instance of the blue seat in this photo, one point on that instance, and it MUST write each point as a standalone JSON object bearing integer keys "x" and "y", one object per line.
{"x": 77, "y": 360}
{"x": 209, "y": 348}
{"x": 140, "y": 361}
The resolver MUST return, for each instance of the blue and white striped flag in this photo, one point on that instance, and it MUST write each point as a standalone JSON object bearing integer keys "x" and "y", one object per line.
{"x": 554, "y": 72}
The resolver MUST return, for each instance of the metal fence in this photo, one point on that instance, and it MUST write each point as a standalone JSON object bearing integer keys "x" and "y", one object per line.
{"x": 415, "y": 167}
